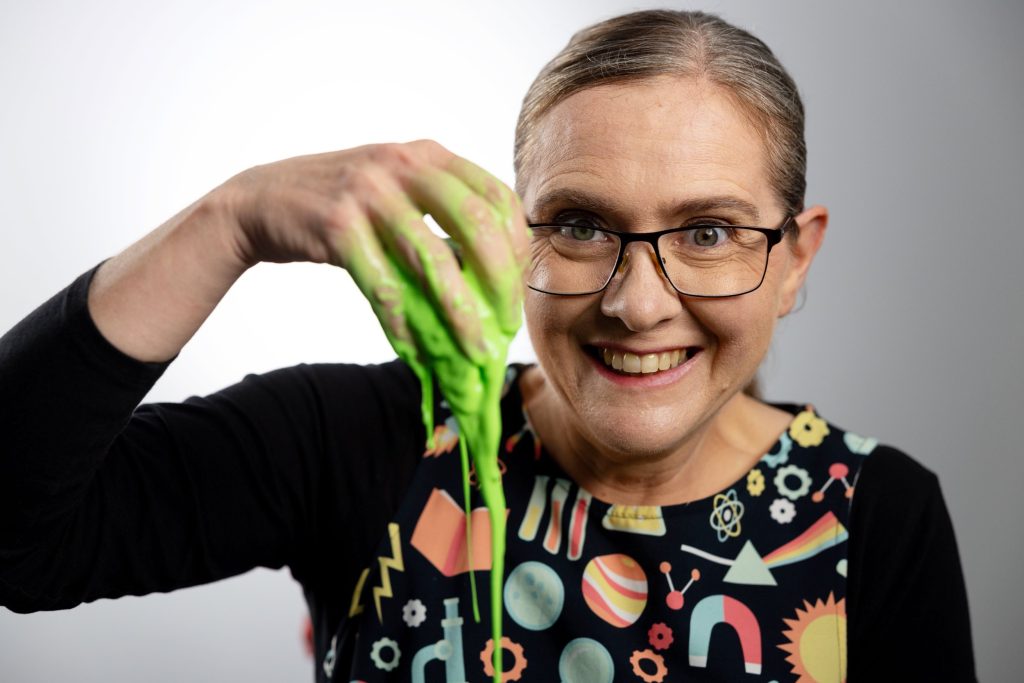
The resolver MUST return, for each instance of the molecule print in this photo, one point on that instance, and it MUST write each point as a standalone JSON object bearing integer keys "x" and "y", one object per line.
{"x": 836, "y": 471}
{"x": 674, "y": 599}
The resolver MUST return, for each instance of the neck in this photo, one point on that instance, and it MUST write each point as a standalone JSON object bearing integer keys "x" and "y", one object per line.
{"x": 714, "y": 455}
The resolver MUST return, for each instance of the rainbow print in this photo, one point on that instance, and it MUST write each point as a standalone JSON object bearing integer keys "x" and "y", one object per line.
{"x": 822, "y": 535}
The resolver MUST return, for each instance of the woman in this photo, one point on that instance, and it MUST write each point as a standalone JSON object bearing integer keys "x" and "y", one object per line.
{"x": 650, "y": 494}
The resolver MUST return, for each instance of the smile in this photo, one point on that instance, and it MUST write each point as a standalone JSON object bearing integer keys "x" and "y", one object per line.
{"x": 643, "y": 364}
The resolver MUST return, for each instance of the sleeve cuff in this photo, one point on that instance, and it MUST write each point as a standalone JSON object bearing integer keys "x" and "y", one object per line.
{"x": 102, "y": 356}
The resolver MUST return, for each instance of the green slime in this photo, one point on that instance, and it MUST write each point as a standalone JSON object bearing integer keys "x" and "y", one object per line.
{"x": 472, "y": 387}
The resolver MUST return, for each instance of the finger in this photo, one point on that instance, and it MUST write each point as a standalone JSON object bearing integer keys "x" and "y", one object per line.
{"x": 401, "y": 229}
{"x": 410, "y": 322}
{"x": 487, "y": 186}
{"x": 362, "y": 256}
{"x": 436, "y": 349}
{"x": 500, "y": 196}
{"x": 477, "y": 225}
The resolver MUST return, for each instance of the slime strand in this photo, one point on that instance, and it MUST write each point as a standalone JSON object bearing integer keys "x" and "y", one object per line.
{"x": 464, "y": 460}
{"x": 471, "y": 386}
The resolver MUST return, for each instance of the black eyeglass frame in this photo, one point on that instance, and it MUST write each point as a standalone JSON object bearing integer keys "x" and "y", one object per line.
{"x": 773, "y": 235}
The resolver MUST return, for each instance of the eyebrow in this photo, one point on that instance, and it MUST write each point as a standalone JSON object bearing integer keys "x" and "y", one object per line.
{"x": 566, "y": 196}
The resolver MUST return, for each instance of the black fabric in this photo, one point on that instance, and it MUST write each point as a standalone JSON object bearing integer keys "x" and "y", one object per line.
{"x": 101, "y": 497}
{"x": 906, "y": 597}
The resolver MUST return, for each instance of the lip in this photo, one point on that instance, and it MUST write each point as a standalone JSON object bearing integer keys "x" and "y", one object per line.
{"x": 649, "y": 381}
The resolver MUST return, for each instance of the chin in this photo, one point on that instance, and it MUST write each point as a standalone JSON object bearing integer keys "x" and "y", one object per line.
{"x": 635, "y": 432}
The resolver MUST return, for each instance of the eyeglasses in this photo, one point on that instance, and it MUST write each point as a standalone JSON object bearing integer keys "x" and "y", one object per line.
{"x": 712, "y": 260}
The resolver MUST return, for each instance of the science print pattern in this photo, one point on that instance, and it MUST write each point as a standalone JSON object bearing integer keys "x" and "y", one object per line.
{"x": 746, "y": 584}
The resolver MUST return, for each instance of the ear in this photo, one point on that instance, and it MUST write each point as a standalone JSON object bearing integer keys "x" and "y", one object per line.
{"x": 812, "y": 223}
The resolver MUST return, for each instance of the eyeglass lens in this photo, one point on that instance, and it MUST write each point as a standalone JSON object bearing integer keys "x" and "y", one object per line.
{"x": 706, "y": 260}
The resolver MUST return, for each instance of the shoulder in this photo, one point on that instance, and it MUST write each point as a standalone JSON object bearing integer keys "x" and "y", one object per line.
{"x": 906, "y": 598}
{"x": 891, "y": 482}
{"x": 890, "y": 466}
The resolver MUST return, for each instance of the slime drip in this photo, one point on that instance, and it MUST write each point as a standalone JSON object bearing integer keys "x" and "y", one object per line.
{"x": 473, "y": 391}
{"x": 472, "y": 388}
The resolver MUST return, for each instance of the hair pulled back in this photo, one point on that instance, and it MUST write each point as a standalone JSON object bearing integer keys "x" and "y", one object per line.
{"x": 653, "y": 43}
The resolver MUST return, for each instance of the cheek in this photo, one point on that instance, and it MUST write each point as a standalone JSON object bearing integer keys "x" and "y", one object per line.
{"x": 746, "y": 323}
{"x": 554, "y": 325}
{"x": 545, "y": 323}
{"x": 538, "y": 315}
{"x": 741, "y": 329}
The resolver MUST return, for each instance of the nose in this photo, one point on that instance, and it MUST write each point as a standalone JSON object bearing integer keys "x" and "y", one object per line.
{"x": 639, "y": 294}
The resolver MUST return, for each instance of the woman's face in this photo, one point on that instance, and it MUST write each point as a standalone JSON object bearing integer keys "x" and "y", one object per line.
{"x": 641, "y": 157}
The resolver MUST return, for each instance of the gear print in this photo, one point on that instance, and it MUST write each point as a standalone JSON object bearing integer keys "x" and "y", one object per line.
{"x": 755, "y": 482}
{"x": 385, "y": 664}
{"x": 414, "y": 613}
{"x": 487, "y": 657}
{"x": 660, "y": 670}
{"x": 779, "y": 456}
{"x": 782, "y": 511}
{"x": 784, "y": 473}
{"x": 660, "y": 636}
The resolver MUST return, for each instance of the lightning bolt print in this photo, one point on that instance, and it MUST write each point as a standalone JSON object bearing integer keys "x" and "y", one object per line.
{"x": 357, "y": 595}
{"x": 394, "y": 562}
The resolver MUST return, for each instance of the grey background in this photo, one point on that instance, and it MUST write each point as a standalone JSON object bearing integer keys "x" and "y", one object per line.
{"x": 116, "y": 114}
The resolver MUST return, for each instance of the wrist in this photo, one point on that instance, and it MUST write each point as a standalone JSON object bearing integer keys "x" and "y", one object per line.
{"x": 210, "y": 230}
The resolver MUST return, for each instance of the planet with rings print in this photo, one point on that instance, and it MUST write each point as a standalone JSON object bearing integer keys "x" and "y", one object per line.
{"x": 615, "y": 588}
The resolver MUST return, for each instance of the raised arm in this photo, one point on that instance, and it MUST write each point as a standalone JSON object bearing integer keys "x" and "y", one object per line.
{"x": 361, "y": 209}
{"x": 84, "y": 475}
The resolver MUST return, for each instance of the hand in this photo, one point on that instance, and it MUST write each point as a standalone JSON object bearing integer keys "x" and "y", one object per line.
{"x": 362, "y": 209}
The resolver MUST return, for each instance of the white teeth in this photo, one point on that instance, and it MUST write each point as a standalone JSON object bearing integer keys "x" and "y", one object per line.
{"x": 647, "y": 364}
{"x": 664, "y": 361}
{"x": 630, "y": 362}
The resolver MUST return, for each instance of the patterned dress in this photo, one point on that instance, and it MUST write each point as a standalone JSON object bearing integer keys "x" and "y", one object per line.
{"x": 746, "y": 584}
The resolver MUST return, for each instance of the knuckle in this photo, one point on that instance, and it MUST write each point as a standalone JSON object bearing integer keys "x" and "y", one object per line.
{"x": 387, "y": 155}
{"x": 426, "y": 145}
{"x": 384, "y": 152}
{"x": 397, "y": 159}
{"x": 431, "y": 151}
{"x": 339, "y": 217}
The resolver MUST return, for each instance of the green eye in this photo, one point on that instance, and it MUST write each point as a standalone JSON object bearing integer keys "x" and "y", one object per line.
{"x": 583, "y": 234}
{"x": 707, "y": 236}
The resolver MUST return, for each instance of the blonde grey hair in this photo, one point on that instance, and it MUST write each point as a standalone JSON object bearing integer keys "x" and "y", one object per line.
{"x": 653, "y": 43}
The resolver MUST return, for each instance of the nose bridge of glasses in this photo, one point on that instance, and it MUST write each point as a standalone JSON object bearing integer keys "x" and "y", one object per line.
{"x": 631, "y": 247}
{"x": 632, "y": 258}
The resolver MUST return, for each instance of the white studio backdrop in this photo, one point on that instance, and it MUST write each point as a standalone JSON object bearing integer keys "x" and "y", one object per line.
{"x": 117, "y": 114}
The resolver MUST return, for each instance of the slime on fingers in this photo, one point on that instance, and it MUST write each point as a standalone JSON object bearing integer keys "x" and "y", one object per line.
{"x": 471, "y": 386}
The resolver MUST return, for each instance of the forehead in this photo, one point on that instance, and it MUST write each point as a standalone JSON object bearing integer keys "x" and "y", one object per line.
{"x": 650, "y": 144}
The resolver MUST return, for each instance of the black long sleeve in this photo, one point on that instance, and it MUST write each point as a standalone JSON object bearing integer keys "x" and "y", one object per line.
{"x": 907, "y": 602}
{"x": 100, "y": 497}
